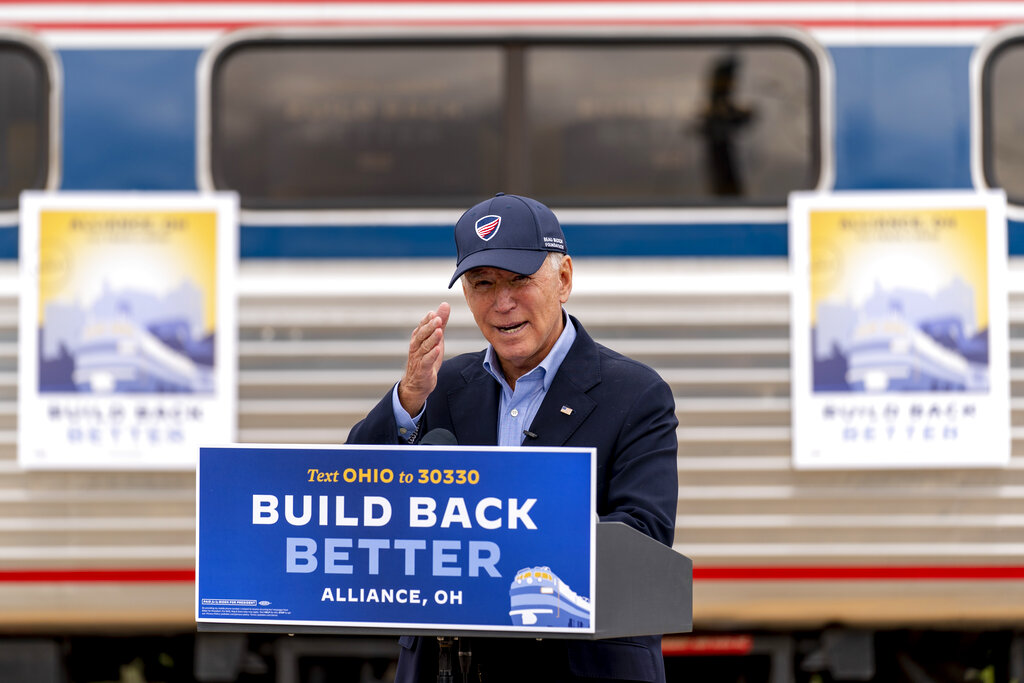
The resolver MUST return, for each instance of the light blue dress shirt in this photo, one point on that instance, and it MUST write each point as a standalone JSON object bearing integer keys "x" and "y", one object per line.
{"x": 518, "y": 407}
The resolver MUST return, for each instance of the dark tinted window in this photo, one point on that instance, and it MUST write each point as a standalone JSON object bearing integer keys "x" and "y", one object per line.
{"x": 24, "y": 121}
{"x": 1003, "y": 119}
{"x": 671, "y": 123}
{"x": 348, "y": 125}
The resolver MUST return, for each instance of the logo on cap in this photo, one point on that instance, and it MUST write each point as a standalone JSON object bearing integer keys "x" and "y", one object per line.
{"x": 487, "y": 227}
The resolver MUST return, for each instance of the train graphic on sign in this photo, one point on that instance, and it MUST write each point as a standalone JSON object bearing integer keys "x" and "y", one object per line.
{"x": 127, "y": 342}
{"x": 120, "y": 356}
{"x": 539, "y": 598}
{"x": 891, "y": 354}
{"x": 901, "y": 341}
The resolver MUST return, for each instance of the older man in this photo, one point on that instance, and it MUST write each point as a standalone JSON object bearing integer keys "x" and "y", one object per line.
{"x": 541, "y": 381}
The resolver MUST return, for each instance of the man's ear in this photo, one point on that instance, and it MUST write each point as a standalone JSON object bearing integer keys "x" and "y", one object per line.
{"x": 565, "y": 278}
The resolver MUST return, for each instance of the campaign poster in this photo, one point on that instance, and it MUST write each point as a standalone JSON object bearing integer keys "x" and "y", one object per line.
{"x": 899, "y": 330}
{"x": 401, "y": 537}
{"x": 127, "y": 333}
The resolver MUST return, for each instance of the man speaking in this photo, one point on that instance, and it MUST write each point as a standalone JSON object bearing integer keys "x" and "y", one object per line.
{"x": 541, "y": 381}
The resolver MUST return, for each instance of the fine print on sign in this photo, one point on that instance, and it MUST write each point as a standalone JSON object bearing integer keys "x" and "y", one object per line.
{"x": 476, "y": 539}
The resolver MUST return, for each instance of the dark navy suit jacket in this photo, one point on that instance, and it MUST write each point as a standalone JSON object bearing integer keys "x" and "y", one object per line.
{"x": 620, "y": 407}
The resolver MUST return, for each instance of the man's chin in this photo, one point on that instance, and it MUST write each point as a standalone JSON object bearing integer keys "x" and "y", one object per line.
{"x": 505, "y": 350}
{"x": 509, "y": 351}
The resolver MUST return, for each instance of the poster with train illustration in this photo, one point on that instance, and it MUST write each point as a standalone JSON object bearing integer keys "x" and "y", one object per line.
{"x": 127, "y": 329}
{"x": 899, "y": 330}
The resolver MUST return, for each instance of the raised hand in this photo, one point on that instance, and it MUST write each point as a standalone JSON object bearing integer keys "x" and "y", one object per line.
{"x": 426, "y": 352}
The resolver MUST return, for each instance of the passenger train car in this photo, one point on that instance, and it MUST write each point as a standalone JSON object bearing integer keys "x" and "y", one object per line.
{"x": 667, "y": 135}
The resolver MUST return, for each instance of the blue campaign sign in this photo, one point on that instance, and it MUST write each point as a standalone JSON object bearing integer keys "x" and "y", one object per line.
{"x": 469, "y": 538}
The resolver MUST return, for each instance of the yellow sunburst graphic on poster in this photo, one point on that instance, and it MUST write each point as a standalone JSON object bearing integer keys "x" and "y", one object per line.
{"x": 855, "y": 252}
{"x": 81, "y": 253}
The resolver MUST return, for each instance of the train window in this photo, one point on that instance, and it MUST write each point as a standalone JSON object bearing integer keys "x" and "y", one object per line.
{"x": 332, "y": 123}
{"x": 25, "y": 116}
{"x": 672, "y": 124}
{"x": 327, "y": 125}
{"x": 1003, "y": 119}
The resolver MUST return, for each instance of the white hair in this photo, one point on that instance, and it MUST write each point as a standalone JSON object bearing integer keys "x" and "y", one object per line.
{"x": 554, "y": 260}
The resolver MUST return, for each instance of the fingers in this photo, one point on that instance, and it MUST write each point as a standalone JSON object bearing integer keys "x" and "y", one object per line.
{"x": 430, "y": 331}
{"x": 426, "y": 352}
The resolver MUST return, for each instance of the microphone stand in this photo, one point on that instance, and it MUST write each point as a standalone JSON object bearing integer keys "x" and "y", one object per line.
{"x": 444, "y": 660}
{"x": 465, "y": 657}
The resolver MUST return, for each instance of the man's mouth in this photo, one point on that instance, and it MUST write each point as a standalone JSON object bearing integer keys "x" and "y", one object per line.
{"x": 507, "y": 329}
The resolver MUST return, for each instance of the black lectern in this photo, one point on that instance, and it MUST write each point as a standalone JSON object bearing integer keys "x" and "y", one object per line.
{"x": 644, "y": 587}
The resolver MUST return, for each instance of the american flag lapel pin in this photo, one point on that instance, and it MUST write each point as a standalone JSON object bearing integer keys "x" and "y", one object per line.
{"x": 566, "y": 410}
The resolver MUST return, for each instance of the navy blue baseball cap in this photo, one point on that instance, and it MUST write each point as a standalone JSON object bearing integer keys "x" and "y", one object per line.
{"x": 509, "y": 232}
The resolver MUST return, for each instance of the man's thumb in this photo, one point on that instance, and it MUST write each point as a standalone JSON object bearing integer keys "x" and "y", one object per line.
{"x": 444, "y": 311}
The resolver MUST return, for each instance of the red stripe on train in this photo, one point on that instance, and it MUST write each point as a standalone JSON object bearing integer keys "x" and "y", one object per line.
{"x": 707, "y": 646}
{"x": 866, "y": 573}
{"x": 96, "y": 575}
{"x": 808, "y": 573}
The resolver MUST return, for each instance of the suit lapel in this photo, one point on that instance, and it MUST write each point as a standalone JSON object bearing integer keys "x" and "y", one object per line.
{"x": 567, "y": 403}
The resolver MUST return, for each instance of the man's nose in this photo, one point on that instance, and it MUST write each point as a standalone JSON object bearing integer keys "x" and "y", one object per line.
{"x": 504, "y": 299}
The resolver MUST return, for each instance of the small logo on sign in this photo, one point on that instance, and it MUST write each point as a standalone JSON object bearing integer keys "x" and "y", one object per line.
{"x": 487, "y": 227}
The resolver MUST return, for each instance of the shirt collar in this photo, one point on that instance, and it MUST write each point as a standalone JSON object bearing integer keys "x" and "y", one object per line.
{"x": 547, "y": 367}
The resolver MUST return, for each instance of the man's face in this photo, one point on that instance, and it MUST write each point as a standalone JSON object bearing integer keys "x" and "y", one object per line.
{"x": 520, "y": 315}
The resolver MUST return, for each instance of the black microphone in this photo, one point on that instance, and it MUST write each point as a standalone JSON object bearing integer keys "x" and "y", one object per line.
{"x": 439, "y": 437}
